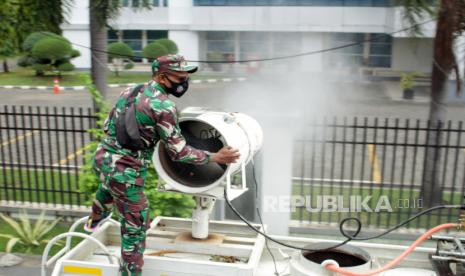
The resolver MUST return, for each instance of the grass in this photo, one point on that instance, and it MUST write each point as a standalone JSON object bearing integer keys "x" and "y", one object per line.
{"x": 60, "y": 228}
{"x": 397, "y": 201}
{"x": 44, "y": 186}
{"x": 27, "y": 77}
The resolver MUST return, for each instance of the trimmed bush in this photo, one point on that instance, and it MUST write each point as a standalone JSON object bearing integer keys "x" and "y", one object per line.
{"x": 65, "y": 67}
{"x": 33, "y": 38}
{"x": 154, "y": 50}
{"x": 119, "y": 54}
{"x": 215, "y": 56}
{"x": 46, "y": 51}
{"x": 52, "y": 49}
{"x": 169, "y": 44}
{"x": 119, "y": 50}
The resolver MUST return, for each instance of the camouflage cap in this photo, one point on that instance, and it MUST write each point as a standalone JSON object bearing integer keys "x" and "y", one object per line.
{"x": 172, "y": 62}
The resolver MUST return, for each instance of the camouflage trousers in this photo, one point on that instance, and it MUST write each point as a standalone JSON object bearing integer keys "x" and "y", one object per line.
{"x": 131, "y": 207}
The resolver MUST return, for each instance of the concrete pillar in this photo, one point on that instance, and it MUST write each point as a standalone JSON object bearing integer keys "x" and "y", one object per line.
{"x": 274, "y": 173}
{"x": 180, "y": 17}
{"x": 312, "y": 42}
{"x": 77, "y": 31}
{"x": 144, "y": 43}
{"x": 460, "y": 54}
{"x": 188, "y": 43}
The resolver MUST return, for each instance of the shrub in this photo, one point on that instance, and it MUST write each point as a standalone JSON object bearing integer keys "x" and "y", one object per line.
{"x": 46, "y": 51}
{"x": 52, "y": 49}
{"x": 169, "y": 44}
{"x": 154, "y": 50}
{"x": 215, "y": 56}
{"x": 65, "y": 67}
{"x": 407, "y": 80}
{"x": 26, "y": 234}
{"x": 33, "y": 38}
{"x": 119, "y": 53}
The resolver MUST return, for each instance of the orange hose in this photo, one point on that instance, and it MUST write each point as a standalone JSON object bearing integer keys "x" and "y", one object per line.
{"x": 397, "y": 260}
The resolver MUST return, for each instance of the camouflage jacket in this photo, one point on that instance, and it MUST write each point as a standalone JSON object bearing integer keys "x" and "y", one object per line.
{"x": 157, "y": 117}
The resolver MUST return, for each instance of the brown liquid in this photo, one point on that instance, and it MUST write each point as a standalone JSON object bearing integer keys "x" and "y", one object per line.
{"x": 343, "y": 259}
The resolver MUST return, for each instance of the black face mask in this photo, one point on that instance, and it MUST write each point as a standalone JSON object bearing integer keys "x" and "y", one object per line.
{"x": 178, "y": 89}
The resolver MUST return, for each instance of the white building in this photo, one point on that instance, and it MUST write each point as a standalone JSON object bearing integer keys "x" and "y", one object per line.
{"x": 245, "y": 29}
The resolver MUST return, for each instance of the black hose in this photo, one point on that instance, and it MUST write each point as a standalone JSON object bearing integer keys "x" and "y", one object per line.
{"x": 341, "y": 226}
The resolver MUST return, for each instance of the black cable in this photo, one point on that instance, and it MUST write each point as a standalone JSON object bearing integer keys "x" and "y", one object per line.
{"x": 341, "y": 226}
{"x": 262, "y": 59}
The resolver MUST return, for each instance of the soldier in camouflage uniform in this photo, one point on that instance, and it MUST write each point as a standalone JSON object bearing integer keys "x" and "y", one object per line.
{"x": 122, "y": 172}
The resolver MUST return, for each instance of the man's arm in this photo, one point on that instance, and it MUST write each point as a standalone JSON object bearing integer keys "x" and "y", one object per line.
{"x": 168, "y": 129}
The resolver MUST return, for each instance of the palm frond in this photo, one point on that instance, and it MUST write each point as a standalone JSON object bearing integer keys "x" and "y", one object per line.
{"x": 13, "y": 224}
{"x": 415, "y": 11}
{"x": 39, "y": 224}
{"x": 26, "y": 225}
{"x": 7, "y": 236}
{"x": 11, "y": 243}
{"x": 47, "y": 229}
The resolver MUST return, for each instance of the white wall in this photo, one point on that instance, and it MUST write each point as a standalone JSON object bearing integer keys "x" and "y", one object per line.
{"x": 77, "y": 31}
{"x": 312, "y": 42}
{"x": 426, "y": 25}
{"x": 409, "y": 54}
{"x": 188, "y": 43}
{"x": 276, "y": 172}
{"x": 81, "y": 37}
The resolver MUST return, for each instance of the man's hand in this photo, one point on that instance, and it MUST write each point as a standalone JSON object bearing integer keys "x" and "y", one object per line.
{"x": 225, "y": 155}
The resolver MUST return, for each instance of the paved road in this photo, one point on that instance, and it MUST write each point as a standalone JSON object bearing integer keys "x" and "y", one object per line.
{"x": 300, "y": 98}
{"x": 265, "y": 95}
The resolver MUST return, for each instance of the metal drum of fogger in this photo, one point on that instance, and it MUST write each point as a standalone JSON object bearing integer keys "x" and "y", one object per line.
{"x": 209, "y": 130}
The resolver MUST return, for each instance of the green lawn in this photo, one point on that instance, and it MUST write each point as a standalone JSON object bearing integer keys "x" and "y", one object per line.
{"x": 27, "y": 77}
{"x": 50, "y": 183}
{"x": 395, "y": 196}
{"x": 60, "y": 228}
{"x": 45, "y": 186}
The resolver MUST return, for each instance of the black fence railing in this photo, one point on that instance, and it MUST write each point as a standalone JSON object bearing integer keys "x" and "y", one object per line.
{"x": 41, "y": 151}
{"x": 369, "y": 168}
{"x": 348, "y": 167}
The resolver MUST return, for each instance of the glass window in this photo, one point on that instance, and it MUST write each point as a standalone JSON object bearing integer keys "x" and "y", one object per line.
{"x": 220, "y": 45}
{"x": 220, "y": 35}
{"x": 380, "y": 50}
{"x": 349, "y": 3}
{"x": 346, "y": 57}
{"x": 112, "y": 34}
{"x": 253, "y": 45}
{"x": 125, "y": 3}
{"x": 132, "y": 34}
{"x": 156, "y": 34}
{"x": 133, "y": 38}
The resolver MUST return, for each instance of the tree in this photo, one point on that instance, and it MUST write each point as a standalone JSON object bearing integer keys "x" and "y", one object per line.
{"x": 9, "y": 45}
{"x": 101, "y": 11}
{"x": 34, "y": 16}
{"x": 21, "y": 17}
{"x": 450, "y": 24}
{"x": 119, "y": 54}
{"x": 154, "y": 50}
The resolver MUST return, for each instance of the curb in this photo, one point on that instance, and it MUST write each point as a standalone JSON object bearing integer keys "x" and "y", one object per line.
{"x": 81, "y": 87}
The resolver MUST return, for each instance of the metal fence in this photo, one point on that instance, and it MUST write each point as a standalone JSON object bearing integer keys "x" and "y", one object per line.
{"x": 41, "y": 151}
{"x": 346, "y": 162}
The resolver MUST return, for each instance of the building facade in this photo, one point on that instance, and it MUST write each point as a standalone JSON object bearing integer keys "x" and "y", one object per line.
{"x": 251, "y": 29}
